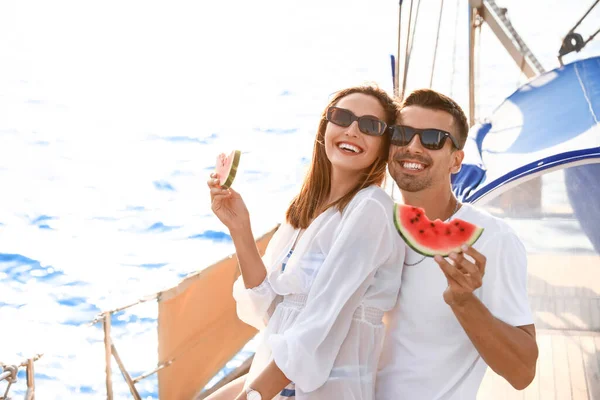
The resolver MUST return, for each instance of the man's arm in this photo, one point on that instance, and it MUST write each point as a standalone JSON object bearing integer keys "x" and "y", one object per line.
{"x": 510, "y": 351}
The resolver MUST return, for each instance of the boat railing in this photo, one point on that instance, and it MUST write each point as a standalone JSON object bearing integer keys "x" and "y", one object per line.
{"x": 110, "y": 351}
{"x": 9, "y": 374}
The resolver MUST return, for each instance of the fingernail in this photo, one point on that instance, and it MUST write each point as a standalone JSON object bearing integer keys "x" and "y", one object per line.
{"x": 464, "y": 247}
{"x": 453, "y": 255}
{"x": 215, "y": 181}
{"x": 437, "y": 258}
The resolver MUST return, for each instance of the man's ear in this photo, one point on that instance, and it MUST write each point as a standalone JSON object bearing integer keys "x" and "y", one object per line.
{"x": 457, "y": 159}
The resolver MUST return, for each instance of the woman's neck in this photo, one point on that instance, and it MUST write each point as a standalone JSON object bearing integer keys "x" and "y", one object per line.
{"x": 342, "y": 182}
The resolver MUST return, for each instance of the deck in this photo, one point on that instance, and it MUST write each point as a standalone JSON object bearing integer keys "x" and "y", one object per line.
{"x": 564, "y": 291}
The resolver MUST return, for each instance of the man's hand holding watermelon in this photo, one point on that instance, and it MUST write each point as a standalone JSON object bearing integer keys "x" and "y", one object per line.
{"x": 464, "y": 277}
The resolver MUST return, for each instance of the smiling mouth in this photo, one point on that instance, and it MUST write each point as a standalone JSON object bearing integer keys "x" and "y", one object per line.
{"x": 412, "y": 165}
{"x": 349, "y": 148}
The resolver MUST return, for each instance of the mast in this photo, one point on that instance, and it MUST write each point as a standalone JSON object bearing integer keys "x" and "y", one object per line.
{"x": 489, "y": 12}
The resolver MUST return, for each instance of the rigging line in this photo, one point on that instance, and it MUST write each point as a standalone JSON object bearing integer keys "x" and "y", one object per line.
{"x": 591, "y": 37}
{"x": 437, "y": 39}
{"x": 397, "y": 61}
{"x": 585, "y": 95}
{"x": 412, "y": 38}
{"x": 585, "y": 15}
{"x": 478, "y": 70}
{"x": 454, "y": 49}
{"x": 406, "y": 51}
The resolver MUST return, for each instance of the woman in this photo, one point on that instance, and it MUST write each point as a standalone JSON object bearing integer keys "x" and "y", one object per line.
{"x": 330, "y": 271}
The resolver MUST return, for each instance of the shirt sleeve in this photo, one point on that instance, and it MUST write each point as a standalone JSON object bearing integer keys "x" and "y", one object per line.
{"x": 253, "y": 304}
{"x": 504, "y": 290}
{"x": 307, "y": 351}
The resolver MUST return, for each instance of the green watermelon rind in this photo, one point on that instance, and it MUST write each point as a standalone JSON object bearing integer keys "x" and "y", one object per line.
{"x": 425, "y": 251}
{"x": 232, "y": 172}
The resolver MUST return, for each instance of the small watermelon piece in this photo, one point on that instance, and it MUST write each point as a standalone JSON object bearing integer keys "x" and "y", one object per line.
{"x": 431, "y": 238}
{"x": 227, "y": 167}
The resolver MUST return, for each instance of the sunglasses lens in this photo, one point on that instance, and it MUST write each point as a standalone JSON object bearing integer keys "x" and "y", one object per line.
{"x": 432, "y": 139}
{"x": 340, "y": 117}
{"x": 401, "y": 136}
{"x": 371, "y": 126}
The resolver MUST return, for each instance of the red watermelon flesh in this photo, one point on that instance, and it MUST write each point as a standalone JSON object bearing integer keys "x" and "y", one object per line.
{"x": 430, "y": 238}
{"x": 227, "y": 168}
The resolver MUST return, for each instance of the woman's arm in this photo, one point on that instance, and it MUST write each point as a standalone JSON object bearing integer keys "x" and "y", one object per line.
{"x": 253, "y": 294}
{"x": 229, "y": 207}
{"x": 269, "y": 383}
{"x": 251, "y": 264}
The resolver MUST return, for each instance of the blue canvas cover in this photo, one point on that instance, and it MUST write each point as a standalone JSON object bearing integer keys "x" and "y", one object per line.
{"x": 550, "y": 123}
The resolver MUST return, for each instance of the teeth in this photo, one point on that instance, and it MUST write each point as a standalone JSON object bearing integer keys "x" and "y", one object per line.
{"x": 413, "y": 166}
{"x": 350, "y": 147}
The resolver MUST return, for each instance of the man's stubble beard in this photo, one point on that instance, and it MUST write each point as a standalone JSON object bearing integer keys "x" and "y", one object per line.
{"x": 409, "y": 183}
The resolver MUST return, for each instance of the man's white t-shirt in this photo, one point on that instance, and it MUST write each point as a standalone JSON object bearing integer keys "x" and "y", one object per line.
{"x": 427, "y": 355}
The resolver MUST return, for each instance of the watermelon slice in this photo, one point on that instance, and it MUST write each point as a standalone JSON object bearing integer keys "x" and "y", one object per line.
{"x": 227, "y": 167}
{"x": 430, "y": 238}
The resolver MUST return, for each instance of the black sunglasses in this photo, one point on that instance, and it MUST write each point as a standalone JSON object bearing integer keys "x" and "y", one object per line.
{"x": 431, "y": 139}
{"x": 366, "y": 124}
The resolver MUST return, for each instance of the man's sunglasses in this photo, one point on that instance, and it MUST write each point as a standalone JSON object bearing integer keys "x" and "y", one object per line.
{"x": 366, "y": 124}
{"x": 431, "y": 139}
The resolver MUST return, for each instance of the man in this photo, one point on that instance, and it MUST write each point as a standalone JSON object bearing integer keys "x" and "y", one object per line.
{"x": 458, "y": 315}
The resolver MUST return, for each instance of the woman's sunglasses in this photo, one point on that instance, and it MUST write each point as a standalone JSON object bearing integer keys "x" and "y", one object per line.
{"x": 366, "y": 124}
{"x": 431, "y": 139}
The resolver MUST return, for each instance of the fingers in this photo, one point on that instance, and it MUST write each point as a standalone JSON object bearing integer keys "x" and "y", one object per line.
{"x": 461, "y": 262}
{"x": 215, "y": 191}
{"x": 213, "y": 181}
{"x": 219, "y": 192}
{"x": 480, "y": 259}
{"x": 451, "y": 272}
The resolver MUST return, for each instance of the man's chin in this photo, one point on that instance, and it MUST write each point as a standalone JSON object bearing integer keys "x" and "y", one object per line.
{"x": 410, "y": 184}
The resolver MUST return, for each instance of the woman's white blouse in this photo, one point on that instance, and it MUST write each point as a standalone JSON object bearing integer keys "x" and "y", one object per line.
{"x": 322, "y": 313}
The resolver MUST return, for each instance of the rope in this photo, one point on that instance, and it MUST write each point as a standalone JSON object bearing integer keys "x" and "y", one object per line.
{"x": 454, "y": 49}
{"x": 10, "y": 373}
{"x": 437, "y": 40}
{"x": 478, "y": 71}
{"x": 584, "y": 15}
{"x": 412, "y": 37}
{"x": 406, "y": 52}
{"x": 397, "y": 61}
{"x": 591, "y": 37}
{"x": 585, "y": 94}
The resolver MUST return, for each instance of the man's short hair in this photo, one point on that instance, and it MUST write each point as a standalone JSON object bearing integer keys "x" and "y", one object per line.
{"x": 433, "y": 100}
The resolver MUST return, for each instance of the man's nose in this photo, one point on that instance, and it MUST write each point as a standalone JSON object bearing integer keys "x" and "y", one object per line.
{"x": 414, "y": 146}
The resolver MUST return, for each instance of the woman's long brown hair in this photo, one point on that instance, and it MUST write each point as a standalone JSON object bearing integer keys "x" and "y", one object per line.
{"x": 310, "y": 202}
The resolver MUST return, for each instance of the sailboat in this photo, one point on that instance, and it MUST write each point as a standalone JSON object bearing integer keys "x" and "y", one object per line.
{"x": 547, "y": 130}
{"x": 548, "y": 126}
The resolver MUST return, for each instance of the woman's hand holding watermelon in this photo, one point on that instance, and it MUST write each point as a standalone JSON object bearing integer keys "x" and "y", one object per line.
{"x": 228, "y": 205}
